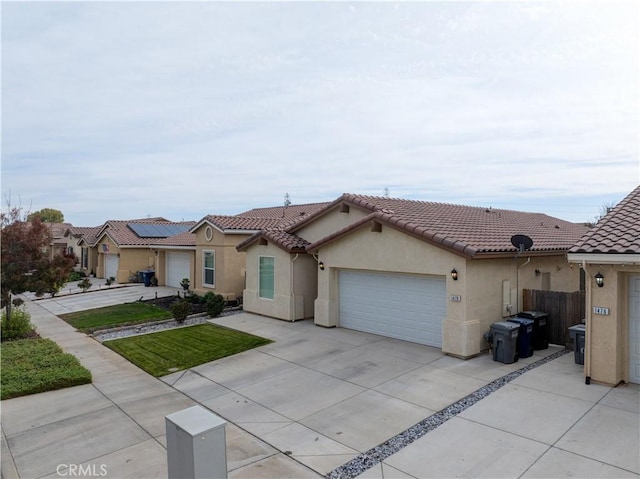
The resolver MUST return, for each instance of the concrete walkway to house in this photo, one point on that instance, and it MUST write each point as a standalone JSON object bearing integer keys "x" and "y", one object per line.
{"x": 317, "y": 399}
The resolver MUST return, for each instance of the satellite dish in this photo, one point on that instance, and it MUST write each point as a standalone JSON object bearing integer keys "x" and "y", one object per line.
{"x": 521, "y": 242}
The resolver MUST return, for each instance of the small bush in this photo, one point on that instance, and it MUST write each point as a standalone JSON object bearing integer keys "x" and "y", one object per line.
{"x": 208, "y": 296}
{"x": 76, "y": 276}
{"x": 215, "y": 305}
{"x": 84, "y": 285}
{"x": 181, "y": 309}
{"x": 19, "y": 327}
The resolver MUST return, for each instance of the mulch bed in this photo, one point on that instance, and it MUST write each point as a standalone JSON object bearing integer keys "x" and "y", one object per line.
{"x": 166, "y": 301}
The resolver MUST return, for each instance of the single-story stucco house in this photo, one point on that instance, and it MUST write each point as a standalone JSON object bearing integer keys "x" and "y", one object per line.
{"x": 219, "y": 266}
{"x": 432, "y": 273}
{"x": 87, "y": 256}
{"x": 610, "y": 256}
{"x": 124, "y": 248}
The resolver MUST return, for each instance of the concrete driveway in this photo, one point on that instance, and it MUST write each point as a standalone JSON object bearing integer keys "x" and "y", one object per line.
{"x": 335, "y": 402}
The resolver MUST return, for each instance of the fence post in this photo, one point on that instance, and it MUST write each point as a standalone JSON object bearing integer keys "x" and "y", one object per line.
{"x": 196, "y": 444}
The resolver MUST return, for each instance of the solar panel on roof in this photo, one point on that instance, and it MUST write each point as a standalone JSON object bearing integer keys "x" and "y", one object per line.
{"x": 150, "y": 230}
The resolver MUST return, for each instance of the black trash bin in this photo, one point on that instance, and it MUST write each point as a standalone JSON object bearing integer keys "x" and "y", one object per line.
{"x": 146, "y": 276}
{"x": 504, "y": 341}
{"x": 525, "y": 335}
{"x": 577, "y": 333}
{"x": 540, "y": 330}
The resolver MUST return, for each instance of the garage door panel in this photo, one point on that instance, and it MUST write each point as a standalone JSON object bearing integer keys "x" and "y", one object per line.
{"x": 405, "y": 307}
{"x": 178, "y": 267}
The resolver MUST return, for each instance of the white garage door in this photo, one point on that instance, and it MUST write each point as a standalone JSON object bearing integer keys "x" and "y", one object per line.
{"x": 178, "y": 267}
{"x": 405, "y": 307}
{"x": 634, "y": 329}
{"x": 111, "y": 264}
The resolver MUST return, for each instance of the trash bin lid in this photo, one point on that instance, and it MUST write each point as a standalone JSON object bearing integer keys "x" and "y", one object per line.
{"x": 533, "y": 314}
{"x": 505, "y": 326}
{"x": 578, "y": 327}
{"x": 522, "y": 321}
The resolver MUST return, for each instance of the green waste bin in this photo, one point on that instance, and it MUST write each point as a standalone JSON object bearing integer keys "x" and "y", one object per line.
{"x": 504, "y": 341}
{"x": 577, "y": 333}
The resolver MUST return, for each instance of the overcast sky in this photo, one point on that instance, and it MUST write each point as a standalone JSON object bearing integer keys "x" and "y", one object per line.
{"x": 120, "y": 110}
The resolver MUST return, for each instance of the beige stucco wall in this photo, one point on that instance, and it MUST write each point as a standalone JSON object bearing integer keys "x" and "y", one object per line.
{"x": 607, "y": 336}
{"x": 295, "y": 284}
{"x": 329, "y": 223}
{"x": 229, "y": 263}
{"x": 480, "y": 284}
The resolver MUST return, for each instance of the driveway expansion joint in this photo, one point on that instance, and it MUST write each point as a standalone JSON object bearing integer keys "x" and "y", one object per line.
{"x": 376, "y": 455}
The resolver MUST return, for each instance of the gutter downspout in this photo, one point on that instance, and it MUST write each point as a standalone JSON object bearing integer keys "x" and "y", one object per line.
{"x": 293, "y": 294}
{"x": 518, "y": 281}
{"x": 588, "y": 321}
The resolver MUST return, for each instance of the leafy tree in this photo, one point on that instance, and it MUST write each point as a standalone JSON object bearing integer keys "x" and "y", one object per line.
{"x": 47, "y": 215}
{"x": 24, "y": 261}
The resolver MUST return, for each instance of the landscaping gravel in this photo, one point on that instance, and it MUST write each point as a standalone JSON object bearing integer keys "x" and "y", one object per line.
{"x": 374, "y": 456}
{"x": 154, "y": 327}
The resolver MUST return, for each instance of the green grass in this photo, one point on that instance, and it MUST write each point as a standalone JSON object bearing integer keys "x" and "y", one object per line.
{"x": 32, "y": 366}
{"x": 176, "y": 349}
{"x": 118, "y": 315}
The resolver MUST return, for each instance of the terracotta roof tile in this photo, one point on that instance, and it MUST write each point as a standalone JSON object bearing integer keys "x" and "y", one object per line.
{"x": 241, "y": 223}
{"x": 183, "y": 239}
{"x": 122, "y": 235}
{"x": 465, "y": 229}
{"x": 618, "y": 232}
{"x": 290, "y": 212}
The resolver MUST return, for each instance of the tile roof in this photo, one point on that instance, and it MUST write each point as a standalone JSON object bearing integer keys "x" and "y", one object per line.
{"x": 467, "y": 230}
{"x": 290, "y": 212}
{"x": 183, "y": 239}
{"x": 58, "y": 229}
{"x": 225, "y": 223}
{"x": 122, "y": 235}
{"x": 618, "y": 232}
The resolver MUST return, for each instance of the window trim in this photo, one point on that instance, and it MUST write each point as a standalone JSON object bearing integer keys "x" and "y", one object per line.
{"x": 273, "y": 279}
{"x": 205, "y": 268}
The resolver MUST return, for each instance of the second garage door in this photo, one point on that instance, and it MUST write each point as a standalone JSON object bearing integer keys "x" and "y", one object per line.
{"x": 178, "y": 267}
{"x": 407, "y": 307}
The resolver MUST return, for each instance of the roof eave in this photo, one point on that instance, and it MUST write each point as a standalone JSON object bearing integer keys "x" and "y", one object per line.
{"x": 605, "y": 258}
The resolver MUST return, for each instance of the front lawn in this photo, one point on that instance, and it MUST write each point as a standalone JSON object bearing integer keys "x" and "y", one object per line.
{"x": 182, "y": 348}
{"x": 32, "y": 366}
{"x": 118, "y": 315}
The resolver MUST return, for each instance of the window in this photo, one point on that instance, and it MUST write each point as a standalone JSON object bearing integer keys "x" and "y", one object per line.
{"x": 209, "y": 268}
{"x": 69, "y": 250}
{"x": 84, "y": 257}
{"x": 266, "y": 277}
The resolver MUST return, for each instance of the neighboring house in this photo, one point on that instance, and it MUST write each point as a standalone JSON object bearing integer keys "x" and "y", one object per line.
{"x": 610, "y": 256}
{"x": 175, "y": 259}
{"x": 125, "y": 248}
{"x": 87, "y": 257}
{"x": 219, "y": 266}
{"x": 58, "y": 240}
{"x": 431, "y": 273}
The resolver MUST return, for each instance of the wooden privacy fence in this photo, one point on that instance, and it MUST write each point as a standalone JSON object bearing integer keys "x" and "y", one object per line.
{"x": 565, "y": 309}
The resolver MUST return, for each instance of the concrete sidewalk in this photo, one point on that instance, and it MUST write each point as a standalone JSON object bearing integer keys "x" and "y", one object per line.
{"x": 318, "y": 398}
{"x": 118, "y": 421}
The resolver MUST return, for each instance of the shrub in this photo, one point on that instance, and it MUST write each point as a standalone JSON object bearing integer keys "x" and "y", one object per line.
{"x": 19, "y": 327}
{"x": 76, "y": 276}
{"x": 84, "y": 285}
{"x": 181, "y": 309}
{"x": 215, "y": 305}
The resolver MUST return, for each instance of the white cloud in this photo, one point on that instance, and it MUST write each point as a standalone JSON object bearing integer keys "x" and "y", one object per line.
{"x": 184, "y": 109}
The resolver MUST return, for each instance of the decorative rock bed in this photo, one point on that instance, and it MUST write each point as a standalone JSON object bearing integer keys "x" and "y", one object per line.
{"x": 376, "y": 455}
{"x": 154, "y": 327}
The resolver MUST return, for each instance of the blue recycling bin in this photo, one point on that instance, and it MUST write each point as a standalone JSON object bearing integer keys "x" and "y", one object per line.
{"x": 540, "y": 338}
{"x": 146, "y": 276}
{"x": 525, "y": 336}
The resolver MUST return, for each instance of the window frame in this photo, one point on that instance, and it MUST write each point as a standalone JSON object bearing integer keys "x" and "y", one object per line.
{"x": 205, "y": 268}
{"x": 273, "y": 277}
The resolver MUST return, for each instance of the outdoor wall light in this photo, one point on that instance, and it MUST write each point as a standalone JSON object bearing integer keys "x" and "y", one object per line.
{"x": 321, "y": 265}
{"x": 599, "y": 279}
{"x": 454, "y": 274}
